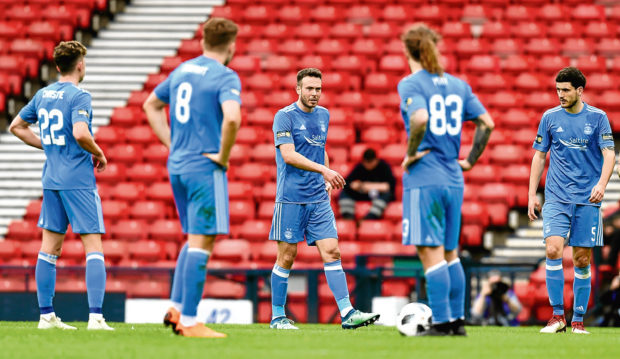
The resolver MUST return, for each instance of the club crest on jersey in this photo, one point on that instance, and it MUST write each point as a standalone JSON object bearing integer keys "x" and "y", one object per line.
{"x": 538, "y": 139}
{"x": 587, "y": 129}
{"x": 288, "y": 234}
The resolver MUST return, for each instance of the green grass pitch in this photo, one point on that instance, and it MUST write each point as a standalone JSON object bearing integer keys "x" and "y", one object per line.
{"x": 257, "y": 341}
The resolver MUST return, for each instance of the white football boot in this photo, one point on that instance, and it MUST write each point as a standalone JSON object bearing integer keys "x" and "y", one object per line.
{"x": 51, "y": 321}
{"x": 97, "y": 322}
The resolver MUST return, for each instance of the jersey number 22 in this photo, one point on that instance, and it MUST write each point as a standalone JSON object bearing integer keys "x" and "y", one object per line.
{"x": 49, "y": 137}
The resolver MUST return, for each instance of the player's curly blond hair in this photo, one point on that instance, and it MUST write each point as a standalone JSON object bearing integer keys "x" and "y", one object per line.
{"x": 421, "y": 44}
{"x": 67, "y": 54}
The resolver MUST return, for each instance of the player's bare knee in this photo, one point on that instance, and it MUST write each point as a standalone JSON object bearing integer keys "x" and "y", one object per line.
{"x": 553, "y": 251}
{"x": 331, "y": 255}
{"x": 581, "y": 260}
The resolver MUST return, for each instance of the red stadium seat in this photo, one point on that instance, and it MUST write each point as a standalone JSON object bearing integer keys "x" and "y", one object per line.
{"x": 253, "y": 172}
{"x": 541, "y": 101}
{"x": 267, "y": 191}
{"x": 278, "y": 64}
{"x": 483, "y": 64}
{"x": 234, "y": 250}
{"x": 340, "y": 136}
{"x": 495, "y": 29}
{"x": 257, "y": 14}
{"x": 219, "y": 288}
{"x": 393, "y": 63}
{"x": 551, "y": 63}
{"x": 240, "y": 211}
{"x": 469, "y": 47}
{"x": 498, "y": 192}
{"x": 125, "y": 153}
{"x": 129, "y": 229}
{"x": 148, "y": 210}
{"x": 147, "y": 172}
{"x": 264, "y": 152}
{"x": 113, "y": 210}
{"x": 255, "y": 230}
{"x": 394, "y": 153}
{"x": 471, "y": 235}
{"x": 524, "y": 137}
{"x": 149, "y": 251}
{"x": 123, "y": 117}
{"x": 481, "y": 173}
{"x": 265, "y": 210}
{"x": 114, "y": 250}
{"x": 141, "y": 134}
{"x": 249, "y": 135}
{"x": 588, "y": 12}
{"x": 492, "y": 82}
{"x": 11, "y": 284}
{"x": 559, "y": 29}
{"x": 159, "y": 191}
{"x": 166, "y": 229}
{"x": 577, "y": 47}
{"x": 595, "y": 29}
{"x": 113, "y": 173}
{"x": 517, "y": 174}
{"x": 291, "y": 14}
{"x": 345, "y": 30}
{"x": 33, "y": 210}
{"x": 506, "y": 47}
{"x": 379, "y": 135}
{"x": 156, "y": 154}
{"x": 430, "y": 13}
{"x": 503, "y": 100}
{"x": 9, "y": 250}
{"x": 515, "y": 64}
{"x": 309, "y": 31}
{"x": 475, "y": 213}
{"x": 347, "y": 230}
{"x": 609, "y": 47}
{"x": 541, "y": 46}
{"x": 551, "y": 12}
{"x": 529, "y": 81}
{"x": 23, "y": 230}
{"x": 506, "y": 154}
{"x": 109, "y": 135}
{"x": 240, "y": 190}
{"x": 128, "y": 191}
{"x": 348, "y": 251}
{"x": 591, "y": 63}
{"x": 148, "y": 289}
{"x": 374, "y": 230}
{"x": 519, "y": 13}
{"x": 325, "y": 14}
{"x": 397, "y": 13}
{"x": 360, "y": 14}
{"x": 245, "y": 64}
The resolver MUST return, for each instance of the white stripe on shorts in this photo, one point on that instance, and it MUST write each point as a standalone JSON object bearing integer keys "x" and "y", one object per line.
{"x": 219, "y": 190}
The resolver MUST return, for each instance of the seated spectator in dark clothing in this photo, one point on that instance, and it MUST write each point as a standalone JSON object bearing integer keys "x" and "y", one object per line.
{"x": 496, "y": 303}
{"x": 611, "y": 236}
{"x": 370, "y": 180}
{"x": 608, "y": 309}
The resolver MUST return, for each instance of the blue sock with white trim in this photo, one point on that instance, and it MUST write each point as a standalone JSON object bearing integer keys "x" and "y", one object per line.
{"x": 581, "y": 290}
{"x": 45, "y": 276}
{"x": 337, "y": 282}
{"x": 279, "y": 286}
{"x": 457, "y": 289}
{"x": 555, "y": 284}
{"x": 176, "y": 293}
{"x": 193, "y": 284}
{"x": 438, "y": 291}
{"x": 95, "y": 281}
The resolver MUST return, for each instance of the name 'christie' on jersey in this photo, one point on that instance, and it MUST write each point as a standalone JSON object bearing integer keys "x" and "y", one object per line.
{"x": 195, "y": 91}
{"x": 308, "y": 132}
{"x": 449, "y": 102}
{"x": 58, "y": 107}
{"x": 576, "y": 161}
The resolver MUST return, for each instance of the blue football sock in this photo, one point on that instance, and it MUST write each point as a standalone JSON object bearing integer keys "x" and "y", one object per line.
{"x": 337, "y": 282}
{"x": 555, "y": 285}
{"x": 438, "y": 290}
{"x": 279, "y": 286}
{"x": 581, "y": 290}
{"x": 45, "y": 276}
{"x": 176, "y": 293}
{"x": 457, "y": 289}
{"x": 193, "y": 282}
{"x": 95, "y": 281}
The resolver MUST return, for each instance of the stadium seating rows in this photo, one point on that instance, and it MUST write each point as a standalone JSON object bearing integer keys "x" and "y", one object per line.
{"x": 507, "y": 52}
{"x": 29, "y": 30}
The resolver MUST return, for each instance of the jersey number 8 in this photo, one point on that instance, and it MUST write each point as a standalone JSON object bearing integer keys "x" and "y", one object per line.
{"x": 181, "y": 109}
{"x": 439, "y": 124}
{"x": 50, "y": 137}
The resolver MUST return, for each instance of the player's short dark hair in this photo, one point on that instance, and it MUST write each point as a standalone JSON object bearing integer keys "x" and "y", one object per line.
{"x": 67, "y": 54}
{"x": 308, "y": 72}
{"x": 369, "y": 155}
{"x": 218, "y": 32}
{"x": 572, "y": 75}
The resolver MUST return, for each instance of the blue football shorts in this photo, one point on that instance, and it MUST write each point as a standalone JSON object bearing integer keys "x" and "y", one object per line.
{"x": 293, "y": 222}
{"x": 202, "y": 201}
{"x": 79, "y": 207}
{"x": 432, "y": 216}
{"x": 583, "y": 222}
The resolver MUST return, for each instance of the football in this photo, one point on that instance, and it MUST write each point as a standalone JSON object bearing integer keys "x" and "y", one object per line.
{"x": 414, "y": 319}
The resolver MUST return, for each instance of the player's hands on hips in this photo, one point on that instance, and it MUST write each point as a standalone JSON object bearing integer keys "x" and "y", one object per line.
{"x": 533, "y": 204}
{"x": 100, "y": 162}
{"x": 409, "y": 160}
{"x": 217, "y": 158}
{"x": 596, "y": 196}
{"x": 465, "y": 165}
{"x": 333, "y": 178}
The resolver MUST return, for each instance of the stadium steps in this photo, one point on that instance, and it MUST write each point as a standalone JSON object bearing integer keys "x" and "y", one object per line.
{"x": 526, "y": 245}
{"x": 119, "y": 61}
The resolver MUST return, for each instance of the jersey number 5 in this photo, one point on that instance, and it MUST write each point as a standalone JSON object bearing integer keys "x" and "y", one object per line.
{"x": 439, "y": 122}
{"x": 181, "y": 109}
{"x": 49, "y": 137}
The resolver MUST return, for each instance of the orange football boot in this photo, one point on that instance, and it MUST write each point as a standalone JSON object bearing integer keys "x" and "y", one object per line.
{"x": 198, "y": 331}
{"x": 172, "y": 318}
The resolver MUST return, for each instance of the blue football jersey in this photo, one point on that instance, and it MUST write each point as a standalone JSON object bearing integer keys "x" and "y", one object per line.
{"x": 449, "y": 102}
{"x": 58, "y": 107}
{"x": 195, "y": 91}
{"x": 575, "y": 161}
{"x": 308, "y": 132}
